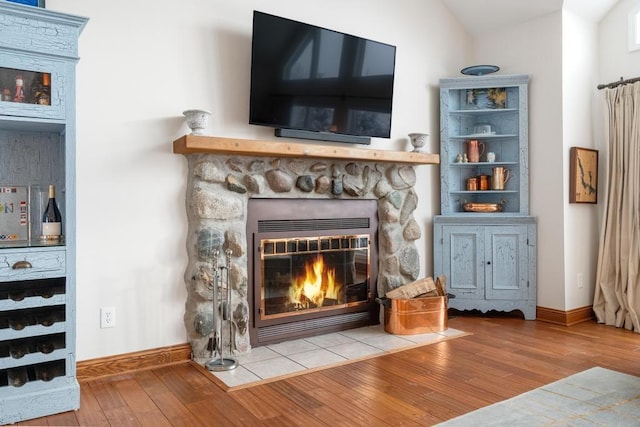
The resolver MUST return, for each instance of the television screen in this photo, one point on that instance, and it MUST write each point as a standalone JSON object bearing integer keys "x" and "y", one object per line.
{"x": 308, "y": 78}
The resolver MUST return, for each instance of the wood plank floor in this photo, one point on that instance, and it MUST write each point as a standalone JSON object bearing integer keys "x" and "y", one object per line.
{"x": 504, "y": 357}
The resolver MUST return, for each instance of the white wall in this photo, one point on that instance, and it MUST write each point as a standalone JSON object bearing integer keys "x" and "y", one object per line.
{"x": 143, "y": 63}
{"x": 614, "y": 62}
{"x": 535, "y": 48}
{"x": 579, "y": 77}
{"x": 614, "y": 59}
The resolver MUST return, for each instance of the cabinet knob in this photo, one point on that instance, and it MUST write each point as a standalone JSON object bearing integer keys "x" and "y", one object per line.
{"x": 21, "y": 264}
{"x": 488, "y": 262}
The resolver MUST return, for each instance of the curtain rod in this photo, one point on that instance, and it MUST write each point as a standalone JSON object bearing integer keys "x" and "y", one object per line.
{"x": 619, "y": 82}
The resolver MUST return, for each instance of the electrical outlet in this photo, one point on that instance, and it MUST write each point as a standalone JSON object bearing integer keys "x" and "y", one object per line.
{"x": 107, "y": 317}
{"x": 580, "y": 280}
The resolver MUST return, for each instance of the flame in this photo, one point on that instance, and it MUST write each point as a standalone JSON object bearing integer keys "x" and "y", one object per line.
{"x": 317, "y": 283}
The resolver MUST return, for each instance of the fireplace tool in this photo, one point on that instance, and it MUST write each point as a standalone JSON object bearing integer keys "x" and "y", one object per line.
{"x": 221, "y": 311}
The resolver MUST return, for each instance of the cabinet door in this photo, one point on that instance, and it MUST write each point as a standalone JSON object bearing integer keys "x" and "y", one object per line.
{"x": 42, "y": 87}
{"x": 462, "y": 258}
{"x": 506, "y": 258}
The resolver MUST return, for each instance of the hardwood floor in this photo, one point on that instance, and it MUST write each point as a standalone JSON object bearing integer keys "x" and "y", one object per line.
{"x": 504, "y": 357}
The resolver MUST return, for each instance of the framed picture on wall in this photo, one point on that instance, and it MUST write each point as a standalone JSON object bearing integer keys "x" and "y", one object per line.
{"x": 583, "y": 175}
{"x": 38, "y": 3}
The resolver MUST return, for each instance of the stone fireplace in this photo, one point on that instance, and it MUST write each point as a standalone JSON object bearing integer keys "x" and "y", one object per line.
{"x": 314, "y": 266}
{"x": 228, "y": 177}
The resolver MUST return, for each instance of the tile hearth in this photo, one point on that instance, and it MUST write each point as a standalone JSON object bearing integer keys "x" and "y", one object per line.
{"x": 276, "y": 361}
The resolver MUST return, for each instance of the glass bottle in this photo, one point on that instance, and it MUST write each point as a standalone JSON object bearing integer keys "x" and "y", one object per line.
{"x": 17, "y": 349}
{"x": 49, "y": 317}
{"x": 19, "y": 95}
{"x": 45, "y": 345}
{"x": 49, "y": 371}
{"x": 18, "y": 322}
{"x": 17, "y": 294}
{"x": 45, "y": 372}
{"x": 51, "y": 219}
{"x": 41, "y": 91}
{"x": 17, "y": 376}
{"x": 47, "y": 292}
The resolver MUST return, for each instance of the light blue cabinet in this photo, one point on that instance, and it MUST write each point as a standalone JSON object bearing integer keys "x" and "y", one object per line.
{"x": 489, "y": 263}
{"x": 488, "y": 255}
{"x": 38, "y": 55}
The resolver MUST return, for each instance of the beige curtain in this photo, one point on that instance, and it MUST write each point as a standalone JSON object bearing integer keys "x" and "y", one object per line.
{"x": 617, "y": 294}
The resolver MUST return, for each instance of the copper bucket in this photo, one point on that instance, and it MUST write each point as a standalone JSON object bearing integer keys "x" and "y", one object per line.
{"x": 416, "y": 315}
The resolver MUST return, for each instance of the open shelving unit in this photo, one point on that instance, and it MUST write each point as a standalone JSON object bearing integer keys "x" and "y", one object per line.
{"x": 38, "y": 54}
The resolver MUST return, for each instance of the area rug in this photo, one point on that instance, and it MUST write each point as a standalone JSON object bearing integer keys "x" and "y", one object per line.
{"x": 595, "y": 397}
{"x": 278, "y": 361}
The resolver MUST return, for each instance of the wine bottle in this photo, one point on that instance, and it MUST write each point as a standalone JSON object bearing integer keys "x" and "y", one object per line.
{"x": 52, "y": 220}
{"x": 45, "y": 345}
{"x": 18, "y": 322}
{"x": 44, "y": 93}
{"x": 17, "y": 377}
{"x": 17, "y": 349}
{"x": 17, "y": 294}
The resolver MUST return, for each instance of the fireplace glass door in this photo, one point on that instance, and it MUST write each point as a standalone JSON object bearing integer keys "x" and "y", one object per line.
{"x": 309, "y": 274}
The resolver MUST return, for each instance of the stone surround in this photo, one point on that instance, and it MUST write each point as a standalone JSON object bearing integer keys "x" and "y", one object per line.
{"x": 219, "y": 187}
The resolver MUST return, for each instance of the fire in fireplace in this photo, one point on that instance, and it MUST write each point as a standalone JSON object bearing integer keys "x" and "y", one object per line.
{"x": 316, "y": 273}
{"x": 315, "y": 266}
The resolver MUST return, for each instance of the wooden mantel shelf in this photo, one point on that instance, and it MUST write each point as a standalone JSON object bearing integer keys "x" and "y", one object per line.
{"x": 189, "y": 144}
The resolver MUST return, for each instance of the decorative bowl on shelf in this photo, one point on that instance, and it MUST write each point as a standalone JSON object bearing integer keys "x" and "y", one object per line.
{"x": 418, "y": 141}
{"x": 479, "y": 70}
{"x": 483, "y": 128}
{"x": 197, "y": 120}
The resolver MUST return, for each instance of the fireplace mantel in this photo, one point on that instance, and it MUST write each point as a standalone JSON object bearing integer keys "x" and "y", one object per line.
{"x": 189, "y": 144}
{"x": 225, "y": 173}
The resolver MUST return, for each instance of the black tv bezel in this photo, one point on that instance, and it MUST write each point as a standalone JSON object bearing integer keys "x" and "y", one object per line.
{"x": 292, "y": 132}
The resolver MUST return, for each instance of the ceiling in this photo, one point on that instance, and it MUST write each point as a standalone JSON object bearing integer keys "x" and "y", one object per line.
{"x": 483, "y": 17}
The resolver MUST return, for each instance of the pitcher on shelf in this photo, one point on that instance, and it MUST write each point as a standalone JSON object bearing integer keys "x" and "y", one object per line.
{"x": 499, "y": 178}
{"x": 475, "y": 149}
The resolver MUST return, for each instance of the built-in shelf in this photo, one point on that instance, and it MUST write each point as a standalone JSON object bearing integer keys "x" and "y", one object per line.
{"x": 190, "y": 144}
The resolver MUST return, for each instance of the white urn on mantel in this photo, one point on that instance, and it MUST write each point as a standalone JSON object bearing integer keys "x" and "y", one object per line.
{"x": 197, "y": 120}
{"x": 418, "y": 141}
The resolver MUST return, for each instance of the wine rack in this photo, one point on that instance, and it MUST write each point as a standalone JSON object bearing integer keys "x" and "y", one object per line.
{"x": 33, "y": 334}
{"x": 32, "y": 331}
{"x": 38, "y": 53}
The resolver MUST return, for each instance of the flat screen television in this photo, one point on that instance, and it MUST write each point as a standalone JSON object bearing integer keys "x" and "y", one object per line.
{"x": 315, "y": 83}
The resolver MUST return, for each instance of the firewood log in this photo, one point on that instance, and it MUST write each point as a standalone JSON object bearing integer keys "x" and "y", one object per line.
{"x": 413, "y": 289}
{"x": 441, "y": 285}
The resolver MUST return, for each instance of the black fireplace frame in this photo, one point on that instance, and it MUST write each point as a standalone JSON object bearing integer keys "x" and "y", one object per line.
{"x": 279, "y": 218}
